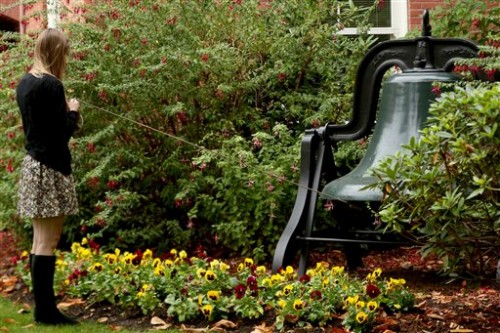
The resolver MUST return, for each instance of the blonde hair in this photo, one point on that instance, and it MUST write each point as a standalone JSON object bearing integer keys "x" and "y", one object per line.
{"x": 51, "y": 50}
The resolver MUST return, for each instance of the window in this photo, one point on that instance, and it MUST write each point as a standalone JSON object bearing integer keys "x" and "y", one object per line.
{"x": 390, "y": 18}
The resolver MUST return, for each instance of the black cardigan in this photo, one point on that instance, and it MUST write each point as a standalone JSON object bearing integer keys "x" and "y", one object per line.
{"x": 48, "y": 126}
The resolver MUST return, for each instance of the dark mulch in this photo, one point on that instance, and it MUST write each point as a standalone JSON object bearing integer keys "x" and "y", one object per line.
{"x": 442, "y": 305}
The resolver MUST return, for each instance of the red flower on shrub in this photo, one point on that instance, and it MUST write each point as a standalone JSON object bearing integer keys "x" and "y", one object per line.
{"x": 103, "y": 95}
{"x": 204, "y": 57}
{"x": 257, "y": 144}
{"x": 281, "y": 77}
{"x": 90, "y": 147}
{"x": 117, "y": 33}
{"x": 113, "y": 184}
{"x": 172, "y": 20}
{"x": 93, "y": 182}
{"x": 109, "y": 202}
{"x": 101, "y": 222}
{"x": 436, "y": 90}
{"x": 114, "y": 15}
{"x": 475, "y": 23}
{"x": 491, "y": 74}
{"x": 372, "y": 290}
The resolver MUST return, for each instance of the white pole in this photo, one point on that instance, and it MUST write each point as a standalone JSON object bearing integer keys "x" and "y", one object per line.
{"x": 53, "y": 10}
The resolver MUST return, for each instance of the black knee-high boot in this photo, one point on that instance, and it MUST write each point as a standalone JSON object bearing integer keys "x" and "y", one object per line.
{"x": 46, "y": 311}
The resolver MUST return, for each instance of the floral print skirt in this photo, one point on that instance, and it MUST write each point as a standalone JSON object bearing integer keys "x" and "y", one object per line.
{"x": 44, "y": 192}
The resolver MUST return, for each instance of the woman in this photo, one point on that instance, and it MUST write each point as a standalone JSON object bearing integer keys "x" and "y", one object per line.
{"x": 46, "y": 188}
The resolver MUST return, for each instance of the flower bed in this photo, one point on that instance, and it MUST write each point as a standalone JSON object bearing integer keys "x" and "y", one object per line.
{"x": 190, "y": 288}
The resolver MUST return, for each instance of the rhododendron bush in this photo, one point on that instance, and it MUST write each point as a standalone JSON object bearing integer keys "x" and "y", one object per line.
{"x": 193, "y": 114}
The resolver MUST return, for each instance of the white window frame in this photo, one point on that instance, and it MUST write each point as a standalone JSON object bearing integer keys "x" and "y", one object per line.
{"x": 399, "y": 22}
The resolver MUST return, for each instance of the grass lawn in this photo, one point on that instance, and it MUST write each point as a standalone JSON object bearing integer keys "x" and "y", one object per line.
{"x": 13, "y": 320}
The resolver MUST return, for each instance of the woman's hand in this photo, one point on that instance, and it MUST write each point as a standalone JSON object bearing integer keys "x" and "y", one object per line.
{"x": 73, "y": 104}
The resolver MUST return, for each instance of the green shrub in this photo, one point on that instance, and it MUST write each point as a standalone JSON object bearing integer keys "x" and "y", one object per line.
{"x": 228, "y": 86}
{"x": 445, "y": 188}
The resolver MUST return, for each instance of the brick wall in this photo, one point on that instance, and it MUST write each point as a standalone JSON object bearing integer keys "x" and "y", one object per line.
{"x": 415, "y": 10}
{"x": 11, "y": 14}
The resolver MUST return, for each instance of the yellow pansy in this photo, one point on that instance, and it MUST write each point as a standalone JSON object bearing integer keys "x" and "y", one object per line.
{"x": 311, "y": 272}
{"x": 267, "y": 282}
{"x": 168, "y": 263}
{"x": 97, "y": 267}
{"x": 159, "y": 270}
{"x": 200, "y": 272}
{"x": 351, "y": 300}
{"x": 75, "y": 247}
{"x": 110, "y": 258}
{"x": 241, "y": 267}
{"x": 287, "y": 290}
{"x": 337, "y": 270}
{"x": 156, "y": 262}
{"x": 376, "y": 273}
{"x": 84, "y": 241}
{"x": 146, "y": 287}
{"x": 282, "y": 303}
{"x": 147, "y": 255}
{"x": 361, "y": 317}
{"x": 248, "y": 262}
{"x": 223, "y": 266}
{"x": 277, "y": 278}
{"x": 372, "y": 305}
{"x": 210, "y": 276}
{"x": 322, "y": 266}
{"x": 298, "y": 305}
{"x": 261, "y": 270}
{"x": 128, "y": 257}
{"x": 183, "y": 254}
{"x": 173, "y": 252}
{"x": 326, "y": 282}
{"x": 214, "y": 264}
{"x": 360, "y": 305}
{"x": 207, "y": 310}
{"x": 214, "y": 295}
